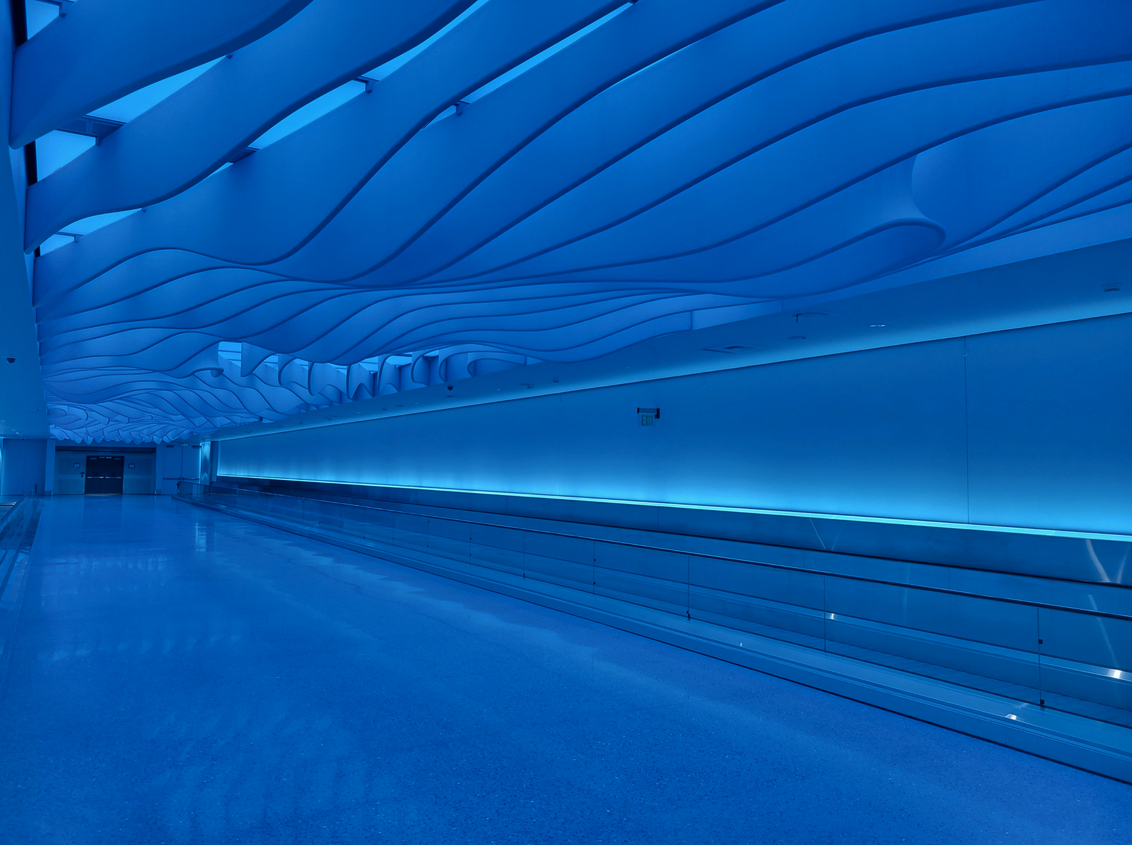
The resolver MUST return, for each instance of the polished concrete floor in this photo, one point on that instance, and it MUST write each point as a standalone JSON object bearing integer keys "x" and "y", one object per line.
{"x": 182, "y": 676}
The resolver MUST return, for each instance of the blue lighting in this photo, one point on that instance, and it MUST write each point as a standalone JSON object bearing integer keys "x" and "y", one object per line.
{"x": 343, "y": 338}
{"x": 522, "y": 183}
{"x": 872, "y": 520}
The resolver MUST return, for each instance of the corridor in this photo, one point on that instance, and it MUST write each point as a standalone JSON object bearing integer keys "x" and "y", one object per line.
{"x": 183, "y": 676}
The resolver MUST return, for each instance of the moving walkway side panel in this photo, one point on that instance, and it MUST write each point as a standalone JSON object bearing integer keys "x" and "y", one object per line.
{"x": 1058, "y": 651}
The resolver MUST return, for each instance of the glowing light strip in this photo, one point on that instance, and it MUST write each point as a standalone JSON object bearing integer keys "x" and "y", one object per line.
{"x": 918, "y": 523}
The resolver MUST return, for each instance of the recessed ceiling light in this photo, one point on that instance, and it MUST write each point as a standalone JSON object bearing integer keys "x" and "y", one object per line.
{"x": 1112, "y": 289}
{"x": 797, "y": 337}
{"x": 877, "y": 325}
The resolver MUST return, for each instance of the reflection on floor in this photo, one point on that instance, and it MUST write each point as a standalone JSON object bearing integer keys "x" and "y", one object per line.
{"x": 183, "y": 676}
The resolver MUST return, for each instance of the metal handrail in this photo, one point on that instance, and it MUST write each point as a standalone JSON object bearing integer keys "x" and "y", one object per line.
{"x": 934, "y": 588}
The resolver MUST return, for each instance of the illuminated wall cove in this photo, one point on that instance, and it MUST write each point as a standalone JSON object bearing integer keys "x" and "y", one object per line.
{"x": 1019, "y": 428}
{"x": 341, "y": 200}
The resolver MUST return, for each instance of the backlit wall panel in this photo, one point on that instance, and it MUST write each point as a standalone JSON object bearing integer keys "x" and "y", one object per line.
{"x": 988, "y": 430}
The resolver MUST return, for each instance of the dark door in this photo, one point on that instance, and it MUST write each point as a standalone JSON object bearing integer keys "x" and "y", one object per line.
{"x": 103, "y": 474}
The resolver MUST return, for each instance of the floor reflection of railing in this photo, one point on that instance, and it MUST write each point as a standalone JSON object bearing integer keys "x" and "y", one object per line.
{"x": 18, "y": 524}
{"x": 10, "y": 531}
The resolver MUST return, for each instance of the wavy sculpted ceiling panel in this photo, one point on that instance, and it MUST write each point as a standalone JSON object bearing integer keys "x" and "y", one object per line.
{"x": 514, "y": 181}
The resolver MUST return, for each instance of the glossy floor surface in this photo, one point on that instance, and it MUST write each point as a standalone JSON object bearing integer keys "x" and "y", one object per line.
{"x": 182, "y": 676}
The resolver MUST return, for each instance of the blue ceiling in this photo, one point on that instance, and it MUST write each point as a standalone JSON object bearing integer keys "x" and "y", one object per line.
{"x": 314, "y": 202}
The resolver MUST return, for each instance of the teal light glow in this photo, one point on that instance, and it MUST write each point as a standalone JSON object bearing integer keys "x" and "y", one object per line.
{"x": 875, "y": 520}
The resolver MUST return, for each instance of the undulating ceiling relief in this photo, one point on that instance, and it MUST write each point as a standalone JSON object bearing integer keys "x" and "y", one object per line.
{"x": 258, "y": 211}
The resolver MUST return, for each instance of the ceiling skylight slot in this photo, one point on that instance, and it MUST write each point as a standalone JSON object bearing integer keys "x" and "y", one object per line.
{"x": 55, "y": 241}
{"x": 59, "y": 148}
{"x": 39, "y": 14}
{"x": 311, "y": 112}
{"x": 93, "y": 224}
{"x": 448, "y": 112}
{"x": 457, "y": 109}
{"x": 230, "y": 351}
{"x": 666, "y": 58}
{"x": 222, "y": 167}
{"x": 138, "y": 102}
{"x": 518, "y": 70}
{"x": 384, "y": 70}
{"x": 96, "y": 127}
{"x": 239, "y": 155}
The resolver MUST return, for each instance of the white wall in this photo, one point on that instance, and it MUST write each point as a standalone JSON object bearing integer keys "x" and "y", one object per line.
{"x": 176, "y": 462}
{"x": 70, "y": 473}
{"x": 22, "y": 467}
{"x": 1050, "y": 412}
{"x": 1029, "y": 427}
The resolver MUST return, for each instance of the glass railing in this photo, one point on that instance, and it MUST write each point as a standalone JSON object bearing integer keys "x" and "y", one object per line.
{"x": 18, "y": 521}
{"x": 1044, "y": 642}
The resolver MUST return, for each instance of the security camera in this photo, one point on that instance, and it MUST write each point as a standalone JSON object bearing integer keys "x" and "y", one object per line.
{"x": 11, "y": 360}
{"x": 450, "y": 387}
